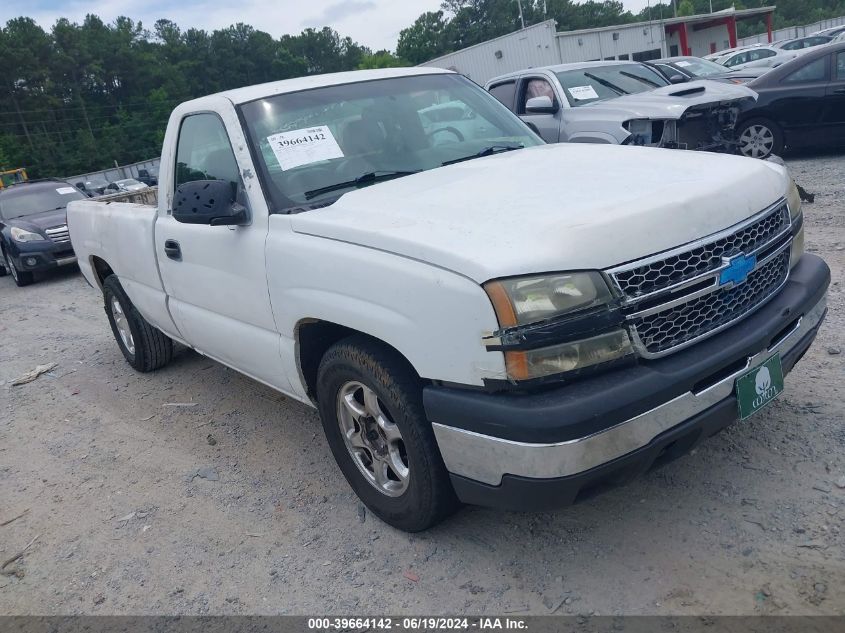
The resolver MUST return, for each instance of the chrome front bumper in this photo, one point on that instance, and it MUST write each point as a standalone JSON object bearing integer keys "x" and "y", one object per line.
{"x": 487, "y": 459}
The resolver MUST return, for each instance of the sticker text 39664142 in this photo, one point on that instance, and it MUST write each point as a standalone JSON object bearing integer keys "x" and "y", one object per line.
{"x": 301, "y": 147}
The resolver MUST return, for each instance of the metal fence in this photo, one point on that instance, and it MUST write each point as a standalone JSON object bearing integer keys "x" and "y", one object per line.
{"x": 118, "y": 173}
{"x": 791, "y": 32}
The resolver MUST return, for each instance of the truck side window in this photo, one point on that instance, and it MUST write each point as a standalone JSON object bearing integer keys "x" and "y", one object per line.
{"x": 204, "y": 152}
{"x": 536, "y": 88}
{"x": 505, "y": 92}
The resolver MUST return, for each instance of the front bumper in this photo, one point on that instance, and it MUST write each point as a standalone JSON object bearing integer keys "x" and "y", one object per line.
{"x": 40, "y": 256}
{"x": 534, "y": 451}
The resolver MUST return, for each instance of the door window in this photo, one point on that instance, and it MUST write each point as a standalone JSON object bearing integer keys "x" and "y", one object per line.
{"x": 814, "y": 71}
{"x": 204, "y": 151}
{"x": 536, "y": 87}
{"x": 505, "y": 93}
{"x": 761, "y": 53}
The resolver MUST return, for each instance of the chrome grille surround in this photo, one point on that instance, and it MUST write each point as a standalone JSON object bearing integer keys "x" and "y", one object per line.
{"x": 59, "y": 234}
{"x": 674, "y": 299}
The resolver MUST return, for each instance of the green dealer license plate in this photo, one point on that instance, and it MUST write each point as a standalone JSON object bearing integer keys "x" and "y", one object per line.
{"x": 759, "y": 386}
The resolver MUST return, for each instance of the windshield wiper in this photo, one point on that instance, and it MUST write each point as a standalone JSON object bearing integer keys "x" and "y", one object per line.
{"x": 606, "y": 84}
{"x": 653, "y": 84}
{"x": 487, "y": 151}
{"x": 361, "y": 181}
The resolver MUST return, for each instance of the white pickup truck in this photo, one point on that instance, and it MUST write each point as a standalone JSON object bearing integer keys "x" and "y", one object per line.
{"x": 478, "y": 317}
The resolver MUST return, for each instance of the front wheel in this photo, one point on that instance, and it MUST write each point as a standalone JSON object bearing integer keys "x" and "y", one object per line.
{"x": 370, "y": 404}
{"x": 144, "y": 347}
{"x": 760, "y": 138}
{"x": 20, "y": 277}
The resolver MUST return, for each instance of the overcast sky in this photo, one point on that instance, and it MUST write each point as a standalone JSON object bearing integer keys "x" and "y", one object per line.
{"x": 374, "y": 23}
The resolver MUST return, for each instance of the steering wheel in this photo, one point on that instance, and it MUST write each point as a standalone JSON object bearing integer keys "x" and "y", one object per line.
{"x": 458, "y": 137}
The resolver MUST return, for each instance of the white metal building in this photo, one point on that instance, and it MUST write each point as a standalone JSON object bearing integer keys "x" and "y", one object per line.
{"x": 542, "y": 45}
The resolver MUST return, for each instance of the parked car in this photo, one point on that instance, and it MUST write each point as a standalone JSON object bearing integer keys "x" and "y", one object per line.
{"x": 800, "y": 104}
{"x": 33, "y": 228}
{"x": 838, "y": 38}
{"x": 147, "y": 178}
{"x": 757, "y": 56}
{"x": 833, "y": 31}
{"x": 622, "y": 103}
{"x": 125, "y": 184}
{"x": 93, "y": 187}
{"x": 803, "y": 43}
{"x": 465, "y": 333}
{"x": 681, "y": 69}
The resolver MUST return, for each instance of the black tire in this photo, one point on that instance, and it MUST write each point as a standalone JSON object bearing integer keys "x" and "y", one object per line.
{"x": 152, "y": 348}
{"x": 428, "y": 497}
{"x": 20, "y": 277}
{"x": 761, "y": 124}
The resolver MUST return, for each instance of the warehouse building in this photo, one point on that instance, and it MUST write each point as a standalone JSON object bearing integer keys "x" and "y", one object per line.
{"x": 542, "y": 45}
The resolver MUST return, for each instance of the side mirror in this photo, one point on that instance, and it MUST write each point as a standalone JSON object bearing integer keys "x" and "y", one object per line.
{"x": 540, "y": 105}
{"x": 677, "y": 79}
{"x": 207, "y": 202}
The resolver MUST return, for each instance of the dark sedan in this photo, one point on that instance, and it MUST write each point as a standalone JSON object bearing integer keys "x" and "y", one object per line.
{"x": 33, "y": 228}
{"x": 801, "y": 104}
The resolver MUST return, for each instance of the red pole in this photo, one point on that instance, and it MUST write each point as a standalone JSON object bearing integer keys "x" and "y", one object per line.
{"x": 732, "y": 31}
{"x": 769, "y": 26}
{"x": 683, "y": 35}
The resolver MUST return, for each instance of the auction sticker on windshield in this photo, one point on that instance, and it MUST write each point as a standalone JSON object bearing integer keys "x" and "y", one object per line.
{"x": 580, "y": 93}
{"x": 65, "y": 190}
{"x": 305, "y": 146}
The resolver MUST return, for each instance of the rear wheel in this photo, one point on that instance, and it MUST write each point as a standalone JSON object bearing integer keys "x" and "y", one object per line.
{"x": 20, "y": 277}
{"x": 370, "y": 403}
{"x": 760, "y": 138}
{"x": 144, "y": 347}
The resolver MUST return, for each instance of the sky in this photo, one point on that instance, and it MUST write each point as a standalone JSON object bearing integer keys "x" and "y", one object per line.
{"x": 374, "y": 23}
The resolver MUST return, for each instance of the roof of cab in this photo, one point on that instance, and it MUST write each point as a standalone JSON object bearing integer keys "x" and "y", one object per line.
{"x": 260, "y": 91}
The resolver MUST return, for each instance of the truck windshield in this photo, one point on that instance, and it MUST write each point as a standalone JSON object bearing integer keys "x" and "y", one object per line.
{"x": 315, "y": 145}
{"x": 597, "y": 83}
{"x": 23, "y": 200}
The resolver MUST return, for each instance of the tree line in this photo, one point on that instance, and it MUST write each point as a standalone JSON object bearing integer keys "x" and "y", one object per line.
{"x": 79, "y": 97}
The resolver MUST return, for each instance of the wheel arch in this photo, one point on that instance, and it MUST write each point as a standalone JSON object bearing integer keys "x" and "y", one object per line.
{"x": 101, "y": 269}
{"x": 314, "y": 337}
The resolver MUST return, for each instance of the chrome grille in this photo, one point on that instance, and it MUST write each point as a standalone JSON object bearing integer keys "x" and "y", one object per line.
{"x": 670, "y": 270}
{"x": 676, "y": 298}
{"x": 58, "y": 234}
{"x": 670, "y": 328}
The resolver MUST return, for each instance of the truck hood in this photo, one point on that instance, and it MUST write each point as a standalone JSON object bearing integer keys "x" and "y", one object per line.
{"x": 670, "y": 102}
{"x": 551, "y": 208}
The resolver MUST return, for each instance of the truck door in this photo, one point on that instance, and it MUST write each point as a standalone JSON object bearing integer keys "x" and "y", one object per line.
{"x": 215, "y": 276}
{"x": 545, "y": 123}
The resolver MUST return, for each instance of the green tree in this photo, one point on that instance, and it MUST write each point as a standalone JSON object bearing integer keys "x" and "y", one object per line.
{"x": 380, "y": 59}
{"x": 425, "y": 39}
{"x": 686, "y": 7}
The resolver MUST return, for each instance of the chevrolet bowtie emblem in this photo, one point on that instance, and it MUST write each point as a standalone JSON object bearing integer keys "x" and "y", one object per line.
{"x": 737, "y": 269}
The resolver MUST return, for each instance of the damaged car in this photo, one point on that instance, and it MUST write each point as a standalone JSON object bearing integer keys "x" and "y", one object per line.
{"x": 626, "y": 103}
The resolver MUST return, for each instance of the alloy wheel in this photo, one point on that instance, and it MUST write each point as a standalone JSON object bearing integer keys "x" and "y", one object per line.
{"x": 122, "y": 324}
{"x": 373, "y": 439}
{"x": 756, "y": 141}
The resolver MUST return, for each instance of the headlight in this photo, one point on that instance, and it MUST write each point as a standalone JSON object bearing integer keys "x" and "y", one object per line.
{"x": 793, "y": 199}
{"x": 20, "y": 235}
{"x": 524, "y": 300}
{"x": 536, "y": 363}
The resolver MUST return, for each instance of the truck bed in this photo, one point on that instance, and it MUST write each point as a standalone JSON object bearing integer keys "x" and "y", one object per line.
{"x": 119, "y": 230}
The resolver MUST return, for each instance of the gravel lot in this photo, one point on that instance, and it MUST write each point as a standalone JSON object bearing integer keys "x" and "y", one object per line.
{"x": 750, "y": 523}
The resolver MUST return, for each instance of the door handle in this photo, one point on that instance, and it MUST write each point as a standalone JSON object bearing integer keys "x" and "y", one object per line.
{"x": 839, "y": 91}
{"x": 173, "y": 250}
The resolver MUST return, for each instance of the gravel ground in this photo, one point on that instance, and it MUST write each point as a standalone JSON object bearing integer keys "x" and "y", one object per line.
{"x": 750, "y": 523}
